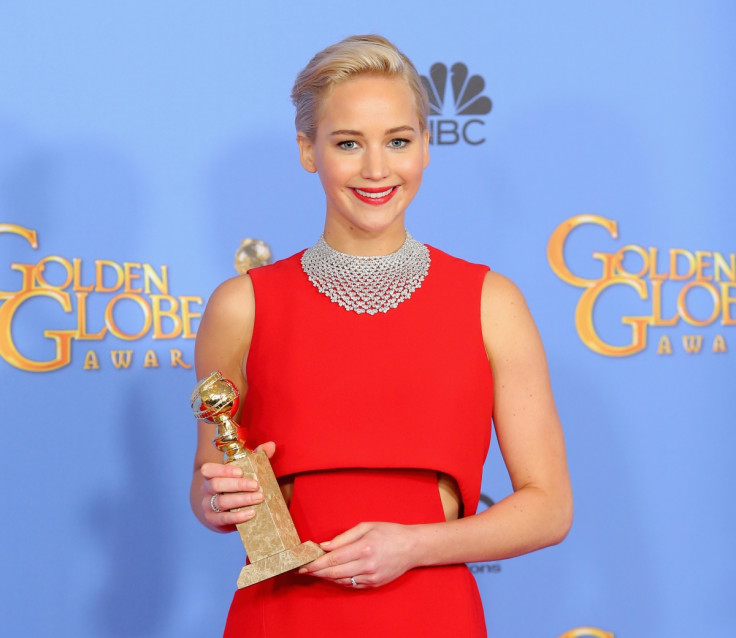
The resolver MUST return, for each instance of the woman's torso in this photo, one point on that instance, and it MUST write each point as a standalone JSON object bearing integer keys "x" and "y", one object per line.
{"x": 375, "y": 418}
{"x": 411, "y": 388}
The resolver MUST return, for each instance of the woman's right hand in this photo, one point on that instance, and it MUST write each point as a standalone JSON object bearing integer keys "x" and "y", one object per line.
{"x": 224, "y": 487}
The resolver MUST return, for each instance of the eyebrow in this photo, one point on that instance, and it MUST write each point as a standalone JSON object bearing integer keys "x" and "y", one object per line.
{"x": 391, "y": 131}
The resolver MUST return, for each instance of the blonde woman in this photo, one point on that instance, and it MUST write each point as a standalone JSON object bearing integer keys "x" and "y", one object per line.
{"x": 371, "y": 367}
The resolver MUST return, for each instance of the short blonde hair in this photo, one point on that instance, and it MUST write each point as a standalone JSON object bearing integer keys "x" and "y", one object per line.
{"x": 353, "y": 56}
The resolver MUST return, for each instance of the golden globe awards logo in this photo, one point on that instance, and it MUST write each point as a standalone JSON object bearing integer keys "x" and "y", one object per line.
{"x": 680, "y": 288}
{"x": 455, "y": 102}
{"x": 127, "y": 301}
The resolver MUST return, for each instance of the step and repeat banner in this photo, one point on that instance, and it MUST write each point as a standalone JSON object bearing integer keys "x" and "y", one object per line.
{"x": 583, "y": 149}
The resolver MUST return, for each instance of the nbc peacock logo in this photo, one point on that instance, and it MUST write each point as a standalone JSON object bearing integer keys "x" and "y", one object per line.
{"x": 452, "y": 120}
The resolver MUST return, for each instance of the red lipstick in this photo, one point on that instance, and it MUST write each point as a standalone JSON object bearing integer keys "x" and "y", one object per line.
{"x": 375, "y": 196}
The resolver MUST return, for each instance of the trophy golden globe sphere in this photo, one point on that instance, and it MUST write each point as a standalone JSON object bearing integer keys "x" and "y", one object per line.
{"x": 215, "y": 397}
{"x": 251, "y": 254}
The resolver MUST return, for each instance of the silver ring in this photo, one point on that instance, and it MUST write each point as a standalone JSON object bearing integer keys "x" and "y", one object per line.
{"x": 213, "y": 505}
{"x": 352, "y": 580}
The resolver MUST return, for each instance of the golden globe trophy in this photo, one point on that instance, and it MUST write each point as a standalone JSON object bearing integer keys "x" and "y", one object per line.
{"x": 252, "y": 253}
{"x": 270, "y": 538}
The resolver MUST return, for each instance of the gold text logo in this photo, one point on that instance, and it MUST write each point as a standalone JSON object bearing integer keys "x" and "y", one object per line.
{"x": 680, "y": 273}
{"x": 141, "y": 287}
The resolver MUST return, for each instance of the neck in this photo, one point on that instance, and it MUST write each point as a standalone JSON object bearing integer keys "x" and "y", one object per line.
{"x": 366, "y": 244}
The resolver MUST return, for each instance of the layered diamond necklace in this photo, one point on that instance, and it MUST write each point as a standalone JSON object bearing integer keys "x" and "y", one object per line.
{"x": 367, "y": 284}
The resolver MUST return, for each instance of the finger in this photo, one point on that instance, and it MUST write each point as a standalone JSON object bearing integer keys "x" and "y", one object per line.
{"x": 338, "y": 573}
{"x": 350, "y": 584}
{"x": 228, "y": 485}
{"x": 269, "y": 447}
{"x": 330, "y": 565}
{"x": 347, "y": 537}
{"x": 227, "y": 518}
{"x": 213, "y": 470}
{"x": 231, "y": 501}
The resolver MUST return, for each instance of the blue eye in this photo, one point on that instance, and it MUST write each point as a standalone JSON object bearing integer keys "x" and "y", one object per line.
{"x": 398, "y": 143}
{"x": 348, "y": 145}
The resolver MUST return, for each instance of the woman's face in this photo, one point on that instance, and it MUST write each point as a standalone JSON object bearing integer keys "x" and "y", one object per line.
{"x": 369, "y": 153}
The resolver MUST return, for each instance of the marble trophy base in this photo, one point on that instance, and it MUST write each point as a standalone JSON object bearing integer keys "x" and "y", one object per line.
{"x": 279, "y": 563}
{"x": 270, "y": 538}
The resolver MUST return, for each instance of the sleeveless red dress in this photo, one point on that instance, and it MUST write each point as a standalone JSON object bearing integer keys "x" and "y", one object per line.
{"x": 365, "y": 410}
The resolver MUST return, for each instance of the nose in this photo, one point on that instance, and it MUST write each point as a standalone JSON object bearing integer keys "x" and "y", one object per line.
{"x": 375, "y": 164}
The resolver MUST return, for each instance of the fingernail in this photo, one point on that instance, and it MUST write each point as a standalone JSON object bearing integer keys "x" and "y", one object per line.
{"x": 303, "y": 570}
{"x": 258, "y": 496}
{"x": 251, "y": 485}
{"x": 237, "y": 472}
{"x": 326, "y": 543}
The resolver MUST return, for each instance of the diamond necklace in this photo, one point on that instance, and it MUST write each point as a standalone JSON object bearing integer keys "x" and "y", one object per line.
{"x": 367, "y": 284}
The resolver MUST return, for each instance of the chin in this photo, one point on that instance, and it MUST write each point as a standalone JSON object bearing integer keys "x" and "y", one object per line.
{"x": 377, "y": 228}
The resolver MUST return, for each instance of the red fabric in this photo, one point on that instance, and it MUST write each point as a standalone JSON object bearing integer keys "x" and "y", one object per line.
{"x": 409, "y": 388}
{"x": 432, "y": 601}
{"x": 406, "y": 394}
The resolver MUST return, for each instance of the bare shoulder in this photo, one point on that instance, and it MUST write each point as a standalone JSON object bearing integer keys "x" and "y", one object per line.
{"x": 224, "y": 334}
{"x": 233, "y": 295}
{"x": 508, "y": 327}
{"x": 230, "y": 310}
{"x": 501, "y": 293}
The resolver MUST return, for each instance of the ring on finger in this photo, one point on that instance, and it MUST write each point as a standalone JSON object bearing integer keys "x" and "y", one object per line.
{"x": 352, "y": 580}
{"x": 213, "y": 505}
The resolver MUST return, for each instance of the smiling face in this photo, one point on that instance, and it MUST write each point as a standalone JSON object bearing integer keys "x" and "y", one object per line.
{"x": 370, "y": 153}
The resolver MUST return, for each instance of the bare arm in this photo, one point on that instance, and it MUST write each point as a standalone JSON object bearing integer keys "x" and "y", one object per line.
{"x": 538, "y": 512}
{"x": 223, "y": 340}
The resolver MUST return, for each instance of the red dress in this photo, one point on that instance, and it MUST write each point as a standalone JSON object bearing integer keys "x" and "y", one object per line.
{"x": 365, "y": 410}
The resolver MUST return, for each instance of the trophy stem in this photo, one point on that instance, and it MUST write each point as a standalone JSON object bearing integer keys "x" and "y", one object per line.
{"x": 226, "y": 439}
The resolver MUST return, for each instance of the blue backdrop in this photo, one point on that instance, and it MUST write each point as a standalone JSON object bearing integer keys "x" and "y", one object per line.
{"x": 139, "y": 142}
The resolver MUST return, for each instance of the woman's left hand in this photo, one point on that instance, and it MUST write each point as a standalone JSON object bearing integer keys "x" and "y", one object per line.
{"x": 372, "y": 554}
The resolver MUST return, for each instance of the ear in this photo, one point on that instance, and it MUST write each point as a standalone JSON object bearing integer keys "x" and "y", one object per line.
{"x": 425, "y": 143}
{"x": 306, "y": 152}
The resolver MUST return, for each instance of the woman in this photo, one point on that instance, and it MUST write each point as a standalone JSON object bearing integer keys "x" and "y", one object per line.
{"x": 375, "y": 364}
